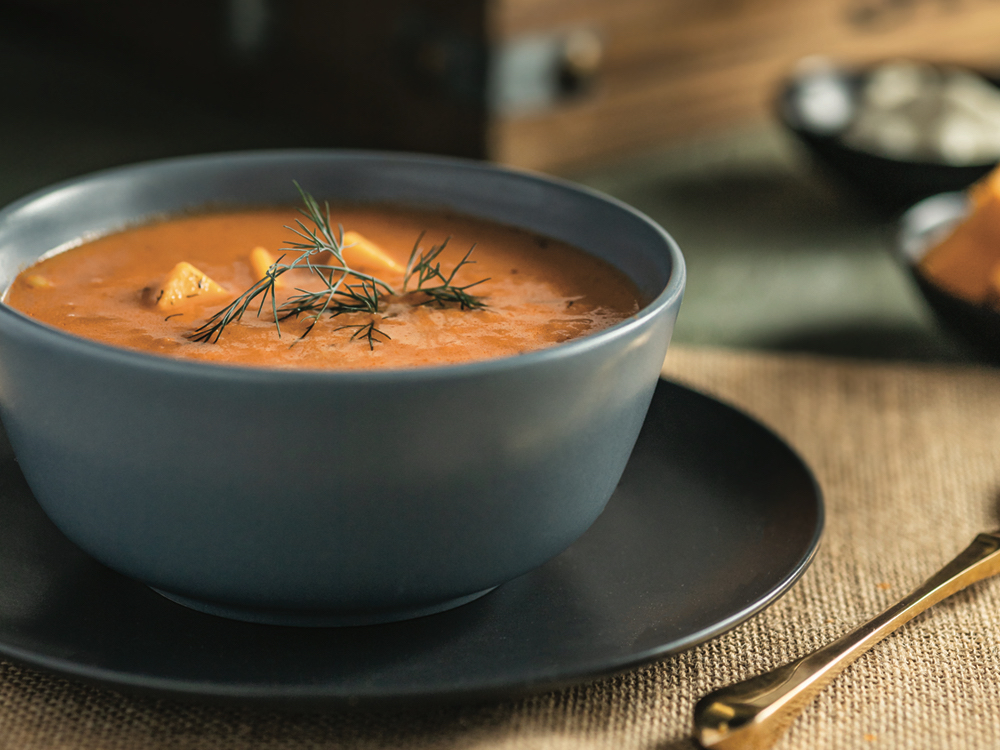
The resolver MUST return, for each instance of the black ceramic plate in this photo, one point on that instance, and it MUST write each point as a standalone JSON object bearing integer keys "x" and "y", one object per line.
{"x": 713, "y": 520}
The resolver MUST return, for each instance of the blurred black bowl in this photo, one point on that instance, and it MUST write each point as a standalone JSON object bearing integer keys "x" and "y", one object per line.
{"x": 978, "y": 325}
{"x": 887, "y": 185}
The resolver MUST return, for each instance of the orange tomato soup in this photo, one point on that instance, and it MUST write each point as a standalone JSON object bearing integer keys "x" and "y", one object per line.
{"x": 538, "y": 292}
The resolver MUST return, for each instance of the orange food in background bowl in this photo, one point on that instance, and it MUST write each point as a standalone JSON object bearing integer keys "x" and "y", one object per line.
{"x": 951, "y": 244}
{"x": 966, "y": 262}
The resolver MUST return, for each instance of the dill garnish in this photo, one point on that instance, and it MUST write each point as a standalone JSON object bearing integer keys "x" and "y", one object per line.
{"x": 366, "y": 331}
{"x": 427, "y": 271}
{"x": 345, "y": 290}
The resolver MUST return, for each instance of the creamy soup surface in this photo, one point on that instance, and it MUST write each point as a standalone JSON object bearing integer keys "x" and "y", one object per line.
{"x": 538, "y": 291}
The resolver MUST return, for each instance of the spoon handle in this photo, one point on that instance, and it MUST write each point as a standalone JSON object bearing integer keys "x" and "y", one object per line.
{"x": 753, "y": 714}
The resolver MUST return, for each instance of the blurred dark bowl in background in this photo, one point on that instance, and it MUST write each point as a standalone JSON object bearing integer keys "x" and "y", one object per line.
{"x": 887, "y": 186}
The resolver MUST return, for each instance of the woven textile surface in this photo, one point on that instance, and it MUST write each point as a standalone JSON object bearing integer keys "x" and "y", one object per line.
{"x": 908, "y": 457}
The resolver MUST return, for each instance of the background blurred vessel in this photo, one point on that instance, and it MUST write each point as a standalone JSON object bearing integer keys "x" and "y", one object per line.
{"x": 895, "y": 132}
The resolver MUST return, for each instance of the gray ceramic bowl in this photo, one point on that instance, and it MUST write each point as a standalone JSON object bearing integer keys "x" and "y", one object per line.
{"x": 229, "y": 489}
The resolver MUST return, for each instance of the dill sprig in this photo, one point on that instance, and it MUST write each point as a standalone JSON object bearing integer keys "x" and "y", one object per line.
{"x": 366, "y": 331}
{"x": 349, "y": 298}
{"x": 425, "y": 266}
{"x": 211, "y": 329}
{"x": 337, "y": 296}
{"x": 345, "y": 290}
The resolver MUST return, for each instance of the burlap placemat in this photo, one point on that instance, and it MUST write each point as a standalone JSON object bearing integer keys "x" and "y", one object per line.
{"x": 909, "y": 461}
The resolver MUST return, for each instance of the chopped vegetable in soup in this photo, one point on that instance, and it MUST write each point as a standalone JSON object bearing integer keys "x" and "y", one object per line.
{"x": 394, "y": 288}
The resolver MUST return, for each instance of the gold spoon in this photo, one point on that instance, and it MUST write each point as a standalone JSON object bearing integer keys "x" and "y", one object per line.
{"x": 753, "y": 714}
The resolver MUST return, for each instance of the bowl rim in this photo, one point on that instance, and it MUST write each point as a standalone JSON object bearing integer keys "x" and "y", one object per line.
{"x": 670, "y": 295}
{"x": 924, "y": 220}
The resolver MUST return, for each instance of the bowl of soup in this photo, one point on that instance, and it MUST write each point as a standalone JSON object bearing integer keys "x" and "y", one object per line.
{"x": 328, "y": 388}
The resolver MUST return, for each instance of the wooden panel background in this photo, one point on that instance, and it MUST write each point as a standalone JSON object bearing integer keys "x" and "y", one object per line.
{"x": 675, "y": 68}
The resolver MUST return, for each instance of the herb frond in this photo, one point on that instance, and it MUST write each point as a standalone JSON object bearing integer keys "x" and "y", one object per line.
{"x": 211, "y": 329}
{"x": 427, "y": 268}
{"x": 322, "y": 238}
{"x": 338, "y": 298}
{"x": 366, "y": 331}
{"x": 344, "y": 289}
